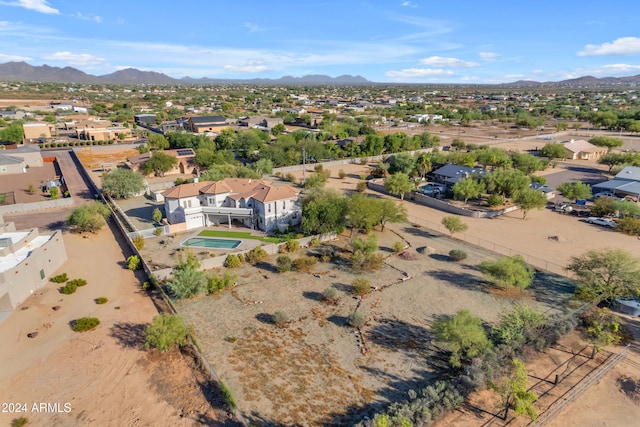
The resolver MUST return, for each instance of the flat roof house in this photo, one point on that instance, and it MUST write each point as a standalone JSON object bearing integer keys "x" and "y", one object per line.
{"x": 206, "y": 124}
{"x": 625, "y": 183}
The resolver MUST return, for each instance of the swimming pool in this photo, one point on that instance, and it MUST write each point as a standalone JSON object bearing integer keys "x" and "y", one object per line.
{"x": 211, "y": 243}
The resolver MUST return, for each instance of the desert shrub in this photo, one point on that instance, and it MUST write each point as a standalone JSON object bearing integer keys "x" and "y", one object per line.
{"x": 364, "y": 255}
{"x": 329, "y": 294}
{"x": 397, "y": 247}
{"x": 326, "y": 253}
{"x": 457, "y": 255}
{"x": 166, "y": 331}
{"x": 361, "y": 186}
{"x": 290, "y": 177}
{"x": 19, "y": 422}
{"x": 187, "y": 282}
{"x": 102, "y": 300}
{"x": 508, "y": 272}
{"x": 361, "y": 286}
{"x": 518, "y": 326}
{"x": 233, "y": 261}
{"x": 69, "y": 288}
{"x": 220, "y": 283}
{"x": 85, "y": 324}
{"x": 314, "y": 242}
{"x": 146, "y": 285}
{"x": 133, "y": 262}
{"x": 256, "y": 255}
{"x": 138, "y": 242}
{"x": 60, "y": 278}
{"x": 31, "y": 189}
{"x": 157, "y": 231}
{"x": 342, "y": 174}
{"x": 356, "y": 320}
{"x": 78, "y": 282}
{"x": 227, "y": 396}
{"x": 602, "y": 327}
{"x": 495, "y": 199}
{"x": 290, "y": 246}
{"x": 283, "y": 263}
{"x": 279, "y": 317}
{"x": 630, "y": 226}
{"x": 304, "y": 264}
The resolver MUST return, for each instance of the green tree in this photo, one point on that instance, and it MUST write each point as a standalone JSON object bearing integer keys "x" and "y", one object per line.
{"x": 507, "y": 182}
{"x": 89, "y": 217}
{"x": 390, "y": 211}
{"x": 363, "y": 212}
{"x": 468, "y": 188}
{"x": 13, "y": 133}
{"x": 611, "y": 160}
{"x": 365, "y": 256}
{"x": 517, "y": 325}
{"x": 463, "y": 336}
{"x": 575, "y": 190}
{"x": 454, "y": 224}
{"x": 602, "y": 206}
{"x": 626, "y": 208}
{"x": 515, "y": 393}
{"x": 156, "y": 216}
{"x": 323, "y": 211}
{"x": 508, "y": 272}
{"x": 122, "y": 183}
{"x": 166, "y": 331}
{"x": 528, "y": 163}
{"x": 530, "y": 199}
{"x": 399, "y": 184}
{"x": 187, "y": 282}
{"x": 263, "y": 166}
{"x": 159, "y": 163}
{"x": 158, "y": 141}
{"x": 494, "y": 157}
{"x": 605, "y": 274}
{"x": 554, "y": 150}
{"x": 278, "y": 129}
{"x": 607, "y": 141}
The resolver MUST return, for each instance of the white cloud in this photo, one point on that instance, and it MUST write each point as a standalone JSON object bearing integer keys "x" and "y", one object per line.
{"x": 408, "y": 4}
{"x": 412, "y": 73}
{"x": 621, "y": 46}
{"x": 253, "y": 28}
{"x": 621, "y": 68}
{"x": 4, "y": 57}
{"x": 90, "y": 17}
{"x": 82, "y": 59}
{"x": 37, "y": 5}
{"x": 246, "y": 68}
{"x": 439, "y": 61}
{"x": 488, "y": 56}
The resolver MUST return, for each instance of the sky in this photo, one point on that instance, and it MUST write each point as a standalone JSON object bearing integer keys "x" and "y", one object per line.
{"x": 395, "y": 41}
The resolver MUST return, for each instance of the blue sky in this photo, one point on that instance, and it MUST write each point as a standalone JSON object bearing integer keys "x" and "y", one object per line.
{"x": 384, "y": 41}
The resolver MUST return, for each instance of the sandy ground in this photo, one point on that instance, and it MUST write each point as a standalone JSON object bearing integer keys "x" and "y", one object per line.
{"x": 104, "y": 375}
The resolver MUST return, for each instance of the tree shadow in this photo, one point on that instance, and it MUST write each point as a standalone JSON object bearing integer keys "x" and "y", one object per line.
{"x": 128, "y": 334}
{"x": 338, "y": 320}
{"x": 552, "y": 289}
{"x": 314, "y": 296}
{"x": 420, "y": 232}
{"x": 459, "y": 279}
{"x": 440, "y": 257}
{"x": 399, "y": 335}
{"x": 346, "y": 288}
{"x": 265, "y": 318}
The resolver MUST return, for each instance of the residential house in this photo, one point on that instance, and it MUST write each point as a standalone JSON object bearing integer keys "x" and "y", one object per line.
{"x": 27, "y": 260}
{"x": 254, "y": 203}
{"x": 184, "y": 164}
{"x": 625, "y": 183}
{"x": 583, "y": 150}
{"x": 260, "y": 122}
{"x": 450, "y": 174}
{"x": 19, "y": 159}
{"x": 145, "y": 119}
{"x": 36, "y": 130}
{"x": 206, "y": 124}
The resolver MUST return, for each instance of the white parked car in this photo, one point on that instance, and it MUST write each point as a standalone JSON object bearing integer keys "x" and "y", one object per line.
{"x": 601, "y": 221}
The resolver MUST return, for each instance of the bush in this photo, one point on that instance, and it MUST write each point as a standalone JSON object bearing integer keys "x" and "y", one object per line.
{"x": 290, "y": 246}
{"x": 102, "y": 300}
{"x": 69, "y": 288}
{"x": 495, "y": 199}
{"x": 227, "y": 396}
{"x": 218, "y": 284}
{"x": 304, "y": 264}
{"x": 85, "y": 324}
{"x": 356, "y": 320}
{"x": 342, "y": 174}
{"x": 60, "y": 278}
{"x": 78, "y": 282}
{"x": 279, "y": 317}
{"x": 329, "y": 295}
{"x": 361, "y": 286}
{"x": 256, "y": 255}
{"x": 630, "y": 226}
{"x": 138, "y": 242}
{"x": 157, "y": 231}
{"x": 457, "y": 255}
{"x": 233, "y": 261}
{"x": 283, "y": 263}
{"x": 133, "y": 263}
{"x": 290, "y": 177}
{"x": 398, "y": 247}
{"x": 361, "y": 186}
{"x": 19, "y": 422}
{"x": 166, "y": 331}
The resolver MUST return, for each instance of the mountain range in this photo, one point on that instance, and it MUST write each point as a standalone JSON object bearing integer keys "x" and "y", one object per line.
{"x": 21, "y": 71}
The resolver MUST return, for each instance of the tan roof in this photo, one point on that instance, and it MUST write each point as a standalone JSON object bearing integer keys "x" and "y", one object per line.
{"x": 267, "y": 193}
{"x": 237, "y": 188}
{"x": 581, "y": 145}
{"x": 185, "y": 190}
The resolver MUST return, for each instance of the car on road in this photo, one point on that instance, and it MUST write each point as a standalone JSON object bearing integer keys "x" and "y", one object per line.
{"x": 601, "y": 221}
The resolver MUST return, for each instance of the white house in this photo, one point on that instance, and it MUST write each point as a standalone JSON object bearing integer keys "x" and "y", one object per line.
{"x": 255, "y": 203}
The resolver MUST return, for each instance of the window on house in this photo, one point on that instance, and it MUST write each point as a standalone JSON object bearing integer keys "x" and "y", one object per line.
{"x": 269, "y": 206}
{"x": 284, "y": 204}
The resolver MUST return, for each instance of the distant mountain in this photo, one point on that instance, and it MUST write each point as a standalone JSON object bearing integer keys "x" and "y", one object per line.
{"x": 21, "y": 71}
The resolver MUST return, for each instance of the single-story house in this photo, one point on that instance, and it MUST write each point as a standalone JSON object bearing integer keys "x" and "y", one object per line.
{"x": 184, "y": 164}
{"x": 37, "y": 130}
{"x": 256, "y": 203}
{"x": 205, "y": 124}
{"x": 450, "y": 174}
{"x": 144, "y": 119}
{"x": 18, "y": 160}
{"x": 583, "y": 150}
{"x": 625, "y": 183}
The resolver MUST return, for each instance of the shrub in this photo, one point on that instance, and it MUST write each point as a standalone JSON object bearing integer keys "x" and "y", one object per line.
{"x": 102, "y": 300}
{"x": 630, "y": 226}
{"x": 138, "y": 242}
{"x": 495, "y": 199}
{"x": 166, "y": 331}
{"x": 85, "y": 324}
{"x": 398, "y": 247}
{"x": 304, "y": 264}
{"x": 69, "y": 288}
{"x": 218, "y": 284}
{"x": 361, "y": 186}
{"x": 457, "y": 255}
{"x": 227, "y": 396}
{"x": 283, "y": 263}
{"x": 329, "y": 295}
{"x": 279, "y": 317}
{"x": 60, "y": 278}
{"x": 31, "y": 189}
{"x": 256, "y": 255}
{"x": 356, "y": 320}
{"x": 361, "y": 286}
{"x": 78, "y": 282}
{"x": 233, "y": 261}
{"x": 133, "y": 262}
{"x": 157, "y": 231}
{"x": 314, "y": 242}
{"x": 290, "y": 246}
{"x": 19, "y": 422}
{"x": 290, "y": 177}
{"x": 342, "y": 174}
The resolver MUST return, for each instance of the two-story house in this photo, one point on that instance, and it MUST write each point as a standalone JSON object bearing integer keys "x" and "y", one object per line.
{"x": 255, "y": 203}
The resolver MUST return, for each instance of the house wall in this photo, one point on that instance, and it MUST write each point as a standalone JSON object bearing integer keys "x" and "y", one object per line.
{"x": 12, "y": 168}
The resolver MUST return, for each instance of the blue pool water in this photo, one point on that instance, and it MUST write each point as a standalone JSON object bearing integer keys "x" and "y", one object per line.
{"x": 211, "y": 243}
